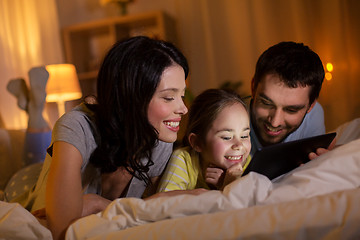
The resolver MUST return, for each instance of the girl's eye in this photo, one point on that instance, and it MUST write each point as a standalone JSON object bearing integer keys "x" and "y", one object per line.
{"x": 245, "y": 136}
{"x": 226, "y": 138}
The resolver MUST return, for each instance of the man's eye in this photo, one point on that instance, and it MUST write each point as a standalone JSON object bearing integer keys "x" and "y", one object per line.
{"x": 291, "y": 111}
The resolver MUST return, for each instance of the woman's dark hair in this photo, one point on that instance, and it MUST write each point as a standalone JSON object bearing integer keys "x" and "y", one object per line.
{"x": 295, "y": 64}
{"x": 127, "y": 80}
{"x": 205, "y": 109}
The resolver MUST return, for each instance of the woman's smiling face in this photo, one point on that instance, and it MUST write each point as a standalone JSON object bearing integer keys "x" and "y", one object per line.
{"x": 166, "y": 106}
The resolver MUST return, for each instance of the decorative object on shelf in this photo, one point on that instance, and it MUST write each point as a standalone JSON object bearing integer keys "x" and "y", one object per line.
{"x": 63, "y": 85}
{"x": 121, "y": 3}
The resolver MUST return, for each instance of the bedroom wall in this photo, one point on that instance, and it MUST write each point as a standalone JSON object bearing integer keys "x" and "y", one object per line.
{"x": 223, "y": 39}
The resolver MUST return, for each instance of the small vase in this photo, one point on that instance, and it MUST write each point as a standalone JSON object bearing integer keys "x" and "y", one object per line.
{"x": 123, "y": 8}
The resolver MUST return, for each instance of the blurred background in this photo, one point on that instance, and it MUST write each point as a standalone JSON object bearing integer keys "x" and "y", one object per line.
{"x": 221, "y": 39}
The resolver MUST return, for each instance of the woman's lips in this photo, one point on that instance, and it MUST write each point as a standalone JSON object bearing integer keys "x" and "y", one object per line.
{"x": 172, "y": 125}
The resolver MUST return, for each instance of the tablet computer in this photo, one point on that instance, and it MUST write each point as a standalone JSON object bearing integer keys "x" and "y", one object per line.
{"x": 275, "y": 160}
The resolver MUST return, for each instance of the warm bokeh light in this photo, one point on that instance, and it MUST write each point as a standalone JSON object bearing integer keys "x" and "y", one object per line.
{"x": 329, "y": 67}
{"x": 328, "y": 76}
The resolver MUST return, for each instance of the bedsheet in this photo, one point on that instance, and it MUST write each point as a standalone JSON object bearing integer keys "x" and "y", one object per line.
{"x": 325, "y": 190}
{"x": 319, "y": 200}
{"x": 17, "y": 223}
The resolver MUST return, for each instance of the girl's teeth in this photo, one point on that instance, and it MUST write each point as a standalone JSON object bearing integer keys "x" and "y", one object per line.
{"x": 234, "y": 158}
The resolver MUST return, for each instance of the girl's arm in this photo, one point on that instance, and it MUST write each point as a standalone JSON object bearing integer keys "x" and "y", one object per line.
{"x": 65, "y": 201}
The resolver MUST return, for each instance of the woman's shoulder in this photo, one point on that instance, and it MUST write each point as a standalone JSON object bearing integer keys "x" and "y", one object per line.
{"x": 77, "y": 123}
{"x": 79, "y": 115}
{"x": 79, "y": 111}
{"x": 77, "y": 127}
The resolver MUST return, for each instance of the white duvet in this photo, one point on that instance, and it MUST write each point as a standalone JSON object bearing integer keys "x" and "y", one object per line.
{"x": 319, "y": 200}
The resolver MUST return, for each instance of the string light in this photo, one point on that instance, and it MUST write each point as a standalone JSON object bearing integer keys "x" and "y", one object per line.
{"x": 329, "y": 68}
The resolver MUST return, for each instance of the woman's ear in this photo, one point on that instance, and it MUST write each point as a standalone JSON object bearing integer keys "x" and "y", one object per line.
{"x": 194, "y": 142}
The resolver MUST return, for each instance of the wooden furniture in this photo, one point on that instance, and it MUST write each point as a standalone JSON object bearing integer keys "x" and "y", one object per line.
{"x": 85, "y": 44}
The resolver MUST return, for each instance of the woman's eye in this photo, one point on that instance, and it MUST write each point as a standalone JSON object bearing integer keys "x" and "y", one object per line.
{"x": 168, "y": 99}
{"x": 266, "y": 103}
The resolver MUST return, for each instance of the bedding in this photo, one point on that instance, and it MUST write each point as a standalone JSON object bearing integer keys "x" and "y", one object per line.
{"x": 318, "y": 200}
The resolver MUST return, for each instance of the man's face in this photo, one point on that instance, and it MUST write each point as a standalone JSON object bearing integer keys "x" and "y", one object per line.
{"x": 278, "y": 110}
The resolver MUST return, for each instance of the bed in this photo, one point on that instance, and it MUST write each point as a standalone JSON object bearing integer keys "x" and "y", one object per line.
{"x": 318, "y": 200}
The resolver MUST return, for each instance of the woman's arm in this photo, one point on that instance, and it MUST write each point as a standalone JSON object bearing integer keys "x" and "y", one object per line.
{"x": 65, "y": 201}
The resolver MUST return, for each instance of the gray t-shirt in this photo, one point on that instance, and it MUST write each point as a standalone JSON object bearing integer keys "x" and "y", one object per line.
{"x": 77, "y": 128}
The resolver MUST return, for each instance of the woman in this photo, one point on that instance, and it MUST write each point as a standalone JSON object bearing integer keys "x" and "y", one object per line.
{"x": 120, "y": 145}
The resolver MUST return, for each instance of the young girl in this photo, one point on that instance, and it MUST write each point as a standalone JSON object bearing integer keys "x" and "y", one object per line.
{"x": 119, "y": 145}
{"x": 216, "y": 144}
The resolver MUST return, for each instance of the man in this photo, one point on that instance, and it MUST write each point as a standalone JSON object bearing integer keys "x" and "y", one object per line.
{"x": 285, "y": 87}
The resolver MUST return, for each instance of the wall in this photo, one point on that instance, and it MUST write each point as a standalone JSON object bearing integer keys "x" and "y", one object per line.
{"x": 223, "y": 39}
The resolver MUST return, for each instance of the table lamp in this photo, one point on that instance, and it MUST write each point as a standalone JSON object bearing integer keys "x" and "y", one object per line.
{"x": 63, "y": 85}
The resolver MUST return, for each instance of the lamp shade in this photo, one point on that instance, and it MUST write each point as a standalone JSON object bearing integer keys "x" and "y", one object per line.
{"x": 63, "y": 84}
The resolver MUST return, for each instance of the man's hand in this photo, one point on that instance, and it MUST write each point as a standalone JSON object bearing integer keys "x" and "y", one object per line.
{"x": 321, "y": 151}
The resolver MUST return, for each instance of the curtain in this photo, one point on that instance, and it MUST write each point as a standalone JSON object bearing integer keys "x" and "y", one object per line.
{"x": 29, "y": 37}
{"x": 223, "y": 40}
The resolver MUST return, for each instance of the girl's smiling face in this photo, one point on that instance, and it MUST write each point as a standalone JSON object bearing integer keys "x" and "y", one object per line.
{"x": 166, "y": 106}
{"x": 228, "y": 140}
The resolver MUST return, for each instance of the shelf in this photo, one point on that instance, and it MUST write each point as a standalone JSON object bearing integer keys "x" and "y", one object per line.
{"x": 86, "y": 44}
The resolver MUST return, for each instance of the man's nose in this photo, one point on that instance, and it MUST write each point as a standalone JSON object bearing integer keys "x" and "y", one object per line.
{"x": 276, "y": 118}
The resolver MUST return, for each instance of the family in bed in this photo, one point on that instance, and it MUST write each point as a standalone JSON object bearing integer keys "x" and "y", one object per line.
{"x": 119, "y": 143}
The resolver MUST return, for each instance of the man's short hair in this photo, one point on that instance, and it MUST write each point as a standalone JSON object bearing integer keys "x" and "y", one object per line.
{"x": 295, "y": 64}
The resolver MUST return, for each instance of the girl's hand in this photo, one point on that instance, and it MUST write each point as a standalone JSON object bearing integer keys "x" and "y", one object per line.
{"x": 214, "y": 176}
{"x": 232, "y": 173}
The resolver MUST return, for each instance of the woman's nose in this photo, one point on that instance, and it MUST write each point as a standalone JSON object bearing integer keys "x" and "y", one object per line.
{"x": 182, "y": 108}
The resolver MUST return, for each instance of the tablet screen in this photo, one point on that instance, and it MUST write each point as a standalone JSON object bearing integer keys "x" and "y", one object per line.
{"x": 275, "y": 160}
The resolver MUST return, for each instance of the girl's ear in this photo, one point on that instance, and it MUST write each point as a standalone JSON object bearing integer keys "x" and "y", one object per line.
{"x": 194, "y": 142}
